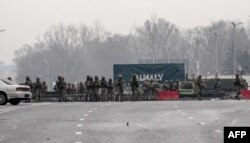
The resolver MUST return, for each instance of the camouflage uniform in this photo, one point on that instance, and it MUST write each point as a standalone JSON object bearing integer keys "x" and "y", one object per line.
{"x": 238, "y": 85}
{"x": 96, "y": 87}
{"x": 135, "y": 88}
{"x": 61, "y": 85}
{"x": 199, "y": 86}
{"x": 38, "y": 89}
{"x": 165, "y": 85}
{"x": 110, "y": 90}
{"x": 152, "y": 86}
{"x": 28, "y": 82}
{"x": 120, "y": 88}
{"x": 146, "y": 89}
{"x": 88, "y": 86}
{"x": 104, "y": 96}
{"x": 44, "y": 87}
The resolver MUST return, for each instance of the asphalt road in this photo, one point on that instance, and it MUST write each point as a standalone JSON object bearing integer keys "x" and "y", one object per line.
{"x": 126, "y": 122}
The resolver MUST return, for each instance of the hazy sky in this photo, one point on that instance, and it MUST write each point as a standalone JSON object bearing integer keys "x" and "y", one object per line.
{"x": 25, "y": 20}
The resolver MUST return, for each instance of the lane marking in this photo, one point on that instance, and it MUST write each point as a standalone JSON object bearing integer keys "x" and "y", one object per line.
{"x": 78, "y": 133}
{"x": 183, "y": 113}
{"x": 81, "y": 119}
{"x": 201, "y": 123}
{"x": 234, "y": 121}
{"x": 5, "y": 110}
{"x": 90, "y": 111}
{"x": 190, "y": 118}
{"x": 179, "y": 110}
{"x": 85, "y": 115}
{"x": 218, "y": 131}
{"x": 79, "y": 125}
{"x": 78, "y": 142}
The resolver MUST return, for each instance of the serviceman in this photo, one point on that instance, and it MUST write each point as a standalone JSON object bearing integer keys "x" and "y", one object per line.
{"x": 177, "y": 85}
{"x": 199, "y": 86}
{"x": 61, "y": 85}
{"x": 44, "y": 87}
{"x": 134, "y": 87}
{"x": 28, "y": 82}
{"x": 146, "y": 89}
{"x": 110, "y": 90}
{"x": 38, "y": 89}
{"x": 104, "y": 94}
{"x": 68, "y": 89}
{"x": 88, "y": 86}
{"x": 152, "y": 86}
{"x": 96, "y": 87}
{"x": 120, "y": 88}
{"x": 165, "y": 85}
{"x": 238, "y": 85}
{"x": 217, "y": 85}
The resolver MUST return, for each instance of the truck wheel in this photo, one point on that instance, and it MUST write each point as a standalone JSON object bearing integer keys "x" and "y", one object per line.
{"x": 14, "y": 101}
{"x": 3, "y": 99}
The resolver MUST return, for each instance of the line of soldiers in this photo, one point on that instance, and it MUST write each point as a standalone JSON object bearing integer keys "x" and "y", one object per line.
{"x": 96, "y": 90}
{"x": 37, "y": 88}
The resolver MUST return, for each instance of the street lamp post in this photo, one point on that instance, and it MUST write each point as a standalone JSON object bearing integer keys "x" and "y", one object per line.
{"x": 234, "y": 32}
{"x": 216, "y": 53}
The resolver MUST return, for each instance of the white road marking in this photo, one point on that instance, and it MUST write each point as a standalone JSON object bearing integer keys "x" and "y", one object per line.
{"x": 201, "y": 123}
{"x": 234, "y": 121}
{"x": 78, "y": 133}
{"x": 179, "y": 110}
{"x": 183, "y": 113}
{"x": 79, "y": 125}
{"x": 218, "y": 131}
{"x": 78, "y": 142}
{"x": 90, "y": 111}
{"x": 190, "y": 118}
{"x": 85, "y": 115}
{"x": 5, "y": 110}
{"x": 81, "y": 119}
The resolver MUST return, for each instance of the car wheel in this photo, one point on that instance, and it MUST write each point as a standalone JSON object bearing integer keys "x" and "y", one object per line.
{"x": 3, "y": 99}
{"x": 14, "y": 101}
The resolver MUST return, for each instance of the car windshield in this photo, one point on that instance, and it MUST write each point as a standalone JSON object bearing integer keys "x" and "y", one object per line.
{"x": 8, "y": 82}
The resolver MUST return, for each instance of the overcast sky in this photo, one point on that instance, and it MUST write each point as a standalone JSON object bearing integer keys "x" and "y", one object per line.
{"x": 24, "y": 20}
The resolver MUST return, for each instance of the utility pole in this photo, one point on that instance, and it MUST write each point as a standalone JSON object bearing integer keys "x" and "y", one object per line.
{"x": 233, "y": 44}
{"x": 216, "y": 53}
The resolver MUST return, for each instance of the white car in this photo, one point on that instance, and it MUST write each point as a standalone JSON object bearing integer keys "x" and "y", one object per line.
{"x": 13, "y": 93}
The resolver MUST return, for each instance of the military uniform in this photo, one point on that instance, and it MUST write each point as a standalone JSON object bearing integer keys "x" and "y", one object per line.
{"x": 44, "y": 87}
{"x": 146, "y": 89}
{"x": 120, "y": 88}
{"x": 28, "y": 82}
{"x": 199, "y": 87}
{"x": 165, "y": 85}
{"x": 238, "y": 85}
{"x": 96, "y": 87}
{"x": 104, "y": 95}
{"x": 135, "y": 88}
{"x": 110, "y": 90}
{"x": 61, "y": 85}
{"x": 38, "y": 89}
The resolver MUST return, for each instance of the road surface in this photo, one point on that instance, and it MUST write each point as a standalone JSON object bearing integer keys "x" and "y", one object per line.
{"x": 126, "y": 122}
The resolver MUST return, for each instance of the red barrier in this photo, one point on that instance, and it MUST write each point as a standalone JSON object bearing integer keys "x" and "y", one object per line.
{"x": 245, "y": 94}
{"x": 167, "y": 95}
